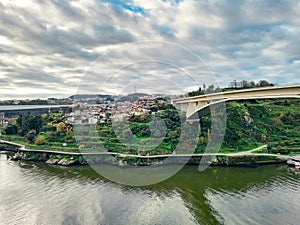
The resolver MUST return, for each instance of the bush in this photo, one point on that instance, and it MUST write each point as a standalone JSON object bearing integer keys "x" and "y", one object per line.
{"x": 40, "y": 140}
{"x": 11, "y": 129}
{"x": 30, "y": 136}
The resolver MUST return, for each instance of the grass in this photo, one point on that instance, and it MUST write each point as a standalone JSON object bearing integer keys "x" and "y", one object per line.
{"x": 262, "y": 150}
{"x": 244, "y": 148}
{"x": 47, "y": 145}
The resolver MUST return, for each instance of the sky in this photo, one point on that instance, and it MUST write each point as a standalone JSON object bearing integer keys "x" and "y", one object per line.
{"x": 57, "y": 48}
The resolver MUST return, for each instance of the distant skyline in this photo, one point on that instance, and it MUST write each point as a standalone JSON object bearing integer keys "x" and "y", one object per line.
{"x": 46, "y": 47}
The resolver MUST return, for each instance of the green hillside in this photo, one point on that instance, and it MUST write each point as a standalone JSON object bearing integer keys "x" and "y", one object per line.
{"x": 255, "y": 122}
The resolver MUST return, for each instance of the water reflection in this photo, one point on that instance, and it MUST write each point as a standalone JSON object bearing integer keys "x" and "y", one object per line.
{"x": 36, "y": 193}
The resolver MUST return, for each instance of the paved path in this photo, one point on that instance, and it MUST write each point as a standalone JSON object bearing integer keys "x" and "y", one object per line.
{"x": 251, "y": 151}
{"x": 123, "y": 155}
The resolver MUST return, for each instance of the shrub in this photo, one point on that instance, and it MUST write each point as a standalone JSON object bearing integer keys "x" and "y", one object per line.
{"x": 30, "y": 136}
{"x": 40, "y": 140}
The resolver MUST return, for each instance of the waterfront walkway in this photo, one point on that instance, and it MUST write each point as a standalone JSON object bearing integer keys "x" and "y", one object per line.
{"x": 22, "y": 148}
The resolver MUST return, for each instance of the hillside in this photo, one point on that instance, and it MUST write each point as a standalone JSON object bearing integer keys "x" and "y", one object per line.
{"x": 132, "y": 97}
{"x": 255, "y": 122}
{"x": 249, "y": 124}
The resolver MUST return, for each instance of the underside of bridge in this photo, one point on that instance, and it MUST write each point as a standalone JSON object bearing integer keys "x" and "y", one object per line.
{"x": 203, "y": 103}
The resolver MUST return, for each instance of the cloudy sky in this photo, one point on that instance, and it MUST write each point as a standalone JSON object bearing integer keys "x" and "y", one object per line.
{"x": 56, "y": 48}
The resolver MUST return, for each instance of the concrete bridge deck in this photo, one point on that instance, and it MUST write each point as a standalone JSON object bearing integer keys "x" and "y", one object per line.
{"x": 191, "y": 105}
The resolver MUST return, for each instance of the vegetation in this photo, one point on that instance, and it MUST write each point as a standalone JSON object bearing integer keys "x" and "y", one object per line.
{"x": 234, "y": 86}
{"x": 247, "y": 159}
{"x": 253, "y": 123}
{"x": 132, "y": 97}
{"x": 144, "y": 135}
{"x": 250, "y": 124}
{"x": 40, "y": 140}
{"x": 47, "y": 132}
{"x": 25, "y": 102}
{"x": 4, "y": 147}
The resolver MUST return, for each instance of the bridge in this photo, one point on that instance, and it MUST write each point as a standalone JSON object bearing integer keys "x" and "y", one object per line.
{"x": 191, "y": 105}
{"x": 11, "y": 110}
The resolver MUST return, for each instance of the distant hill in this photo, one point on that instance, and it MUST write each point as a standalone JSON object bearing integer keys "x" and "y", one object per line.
{"x": 132, "y": 97}
{"x": 86, "y": 96}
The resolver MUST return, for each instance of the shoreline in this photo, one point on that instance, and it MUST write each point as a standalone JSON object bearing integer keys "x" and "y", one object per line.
{"x": 153, "y": 165}
{"x": 62, "y": 158}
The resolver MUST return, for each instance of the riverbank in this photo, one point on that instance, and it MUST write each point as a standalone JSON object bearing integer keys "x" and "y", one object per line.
{"x": 61, "y": 158}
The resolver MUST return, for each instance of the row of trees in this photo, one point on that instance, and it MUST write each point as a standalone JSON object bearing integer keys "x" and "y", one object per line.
{"x": 205, "y": 90}
{"x": 24, "y": 124}
{"x": 38, "y": 129}
{"x": 233, "y": 85}
{"x": 250, "y": 84}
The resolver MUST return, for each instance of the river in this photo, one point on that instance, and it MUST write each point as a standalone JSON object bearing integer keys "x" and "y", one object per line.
{"x": 36, "y": 193}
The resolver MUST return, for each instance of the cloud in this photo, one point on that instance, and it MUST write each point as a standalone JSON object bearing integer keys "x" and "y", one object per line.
{"x": 47, "y": 46}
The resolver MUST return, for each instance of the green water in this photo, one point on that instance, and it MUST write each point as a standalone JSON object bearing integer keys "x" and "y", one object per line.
{"x": 36, "y": 193}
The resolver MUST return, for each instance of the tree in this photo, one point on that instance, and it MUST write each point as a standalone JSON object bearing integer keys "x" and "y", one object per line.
{"x": 30, "y": 136}
{"x": 210, "y": 89}
{"x": 195, "y": 93}
{"x": 244, "y": 83}
{"x": 35, "y": 123}
{"x": 27, "y": 123}
{"x": 61, "y": 127}
{"x": 251, "y": 84}
{"x": 40, "y": 140}
{"x": 70, "y": 133}
{"x": 11, "y": 129}
{"x": 143, "y": 118}
{"x": 263, "y": 83}
{"x": 172, "y": 137}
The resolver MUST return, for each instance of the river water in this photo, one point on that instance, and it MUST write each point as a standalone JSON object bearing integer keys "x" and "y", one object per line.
{"x": 36, "y": 193}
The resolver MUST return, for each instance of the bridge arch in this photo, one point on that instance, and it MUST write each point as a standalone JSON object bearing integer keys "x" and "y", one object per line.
{"x": 203, "y": 110}
{"x": 202, "y": 103}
